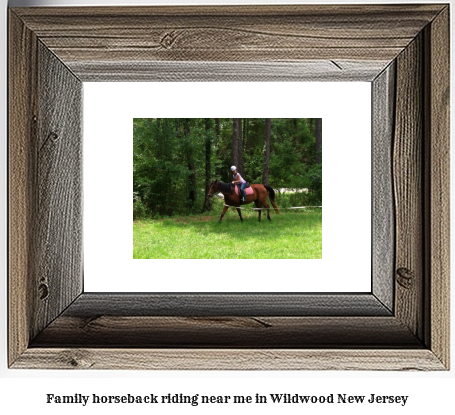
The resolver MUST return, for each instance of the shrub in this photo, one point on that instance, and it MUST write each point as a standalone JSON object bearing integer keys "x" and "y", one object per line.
{"x": 315, "y": 177}
{"x": 139, "y": 209}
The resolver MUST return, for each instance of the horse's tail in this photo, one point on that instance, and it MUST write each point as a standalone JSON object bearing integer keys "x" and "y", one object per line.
{"x": 271, "y": 193}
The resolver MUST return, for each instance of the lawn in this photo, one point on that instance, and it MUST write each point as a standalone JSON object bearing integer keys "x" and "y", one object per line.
{"x": 290, "y": 235}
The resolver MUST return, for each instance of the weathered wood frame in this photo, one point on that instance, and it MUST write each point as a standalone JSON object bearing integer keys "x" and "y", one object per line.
{"x": 403, "y": 324}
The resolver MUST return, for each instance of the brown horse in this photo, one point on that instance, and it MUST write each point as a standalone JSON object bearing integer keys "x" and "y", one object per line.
{"x": 259, "y": 197}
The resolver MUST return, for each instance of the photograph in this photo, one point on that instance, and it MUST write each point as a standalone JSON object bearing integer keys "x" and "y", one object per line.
{"x": 227, "y": 188}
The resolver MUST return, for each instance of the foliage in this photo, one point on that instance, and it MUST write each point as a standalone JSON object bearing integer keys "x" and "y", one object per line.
{"x": 170, "y": 156}
{"x": 315, "y": 178}
{"x": 139, "y": 209}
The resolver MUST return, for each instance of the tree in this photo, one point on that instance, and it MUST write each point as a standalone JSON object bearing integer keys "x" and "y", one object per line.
{"x": 235, "y": 142}
{"x": 217, "y": 129}
{"x": 208, "y": 165}
{"x": 157, "y": 172}
{"x": 240, "y": 166}
{"x": 246, "y": 133}
{"x": 318, "y": 135}
{"x": 191, "y": 167}
{"x": 265, "y": 170}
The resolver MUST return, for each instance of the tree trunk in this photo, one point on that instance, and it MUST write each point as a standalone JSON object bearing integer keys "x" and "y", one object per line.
{"x": 217, "y": 129}
{"x": 318, "y": 135}
{"x": 235, "y": 142}
{"x": 246, "y": 133}
{"x": 240, "y": 167}
{"x": 208, "y": 165}
{"x": 191, "y": 166}
{"x": 217, "y": 139}
{"x": 312, "y": 126}
{"x": 265, "y": 171}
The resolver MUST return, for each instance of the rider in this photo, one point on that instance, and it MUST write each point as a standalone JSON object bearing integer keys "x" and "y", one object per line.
{"x": 239, "y": 179}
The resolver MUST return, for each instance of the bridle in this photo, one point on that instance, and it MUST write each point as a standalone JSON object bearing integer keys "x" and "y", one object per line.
{"x": 210, "y": 195}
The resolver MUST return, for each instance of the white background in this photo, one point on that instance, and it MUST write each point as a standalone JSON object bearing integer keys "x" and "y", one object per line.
{"x": 109, "y": 109}
{"x": 24, "y": 391}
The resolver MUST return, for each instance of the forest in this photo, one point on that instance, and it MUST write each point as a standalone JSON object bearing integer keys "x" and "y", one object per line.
{"x": 175, "y": 160}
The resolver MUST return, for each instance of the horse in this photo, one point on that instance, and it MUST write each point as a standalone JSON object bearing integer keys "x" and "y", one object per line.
{"x": 259, "y": 197}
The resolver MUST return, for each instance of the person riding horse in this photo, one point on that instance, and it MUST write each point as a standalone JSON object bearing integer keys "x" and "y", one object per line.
{"x": 239, "y": 179}
{"x": 231, "y": 198}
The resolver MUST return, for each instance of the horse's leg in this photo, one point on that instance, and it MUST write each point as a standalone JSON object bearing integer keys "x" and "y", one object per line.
{"x": 240, "y": 213}
{"x": 268, "y": 209}
{"x": 224, "y": 211}
{"x": 258, "y": 205}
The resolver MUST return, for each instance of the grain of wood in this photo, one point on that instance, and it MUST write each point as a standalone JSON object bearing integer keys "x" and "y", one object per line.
{"x": 58, "y": 204}
{"x": 408, "y": 188}
{"x": 308, "y": 71}
{"x": 45, "y": 188}
{"x": 215, "y": 305}
{"x": 255, "y": 332}
{"x": 21, "y": 131}
{"x": 439, "y": 197}
{"x": 383, "y": 215}
{"x": 234, "y": 359}
{"x": 228, "y": 34}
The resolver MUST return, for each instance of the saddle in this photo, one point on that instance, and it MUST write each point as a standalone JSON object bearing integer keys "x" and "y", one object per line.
{"x": 247, "y": 185}
{"x": 248, "y": 189}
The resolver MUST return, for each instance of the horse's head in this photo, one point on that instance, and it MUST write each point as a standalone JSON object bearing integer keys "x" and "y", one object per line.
{"x": 213, "y": 188}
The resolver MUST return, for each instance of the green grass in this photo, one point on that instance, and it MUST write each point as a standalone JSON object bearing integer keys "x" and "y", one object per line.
{"x": 290, "y": 235}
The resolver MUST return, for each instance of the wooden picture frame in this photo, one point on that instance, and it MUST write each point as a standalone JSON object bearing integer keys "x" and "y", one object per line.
{"x": 403, "y": 324}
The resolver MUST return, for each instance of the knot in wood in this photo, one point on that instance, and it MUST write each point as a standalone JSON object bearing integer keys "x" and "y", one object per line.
{"x": 76, "y": 359}
{"x": 43, "y": 291}
{"x": 405, "y": 278}
{"x": 168, "y": 39}
{"x": 53, "y": 136}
